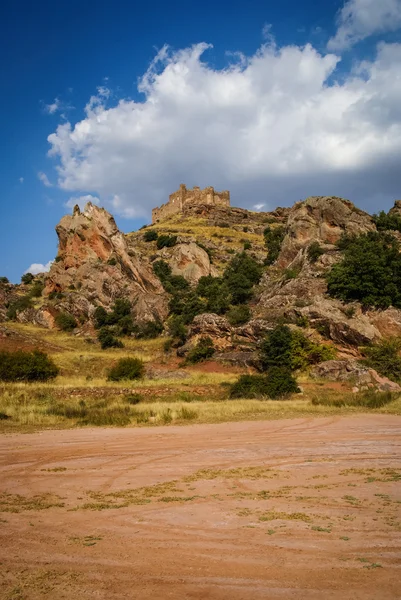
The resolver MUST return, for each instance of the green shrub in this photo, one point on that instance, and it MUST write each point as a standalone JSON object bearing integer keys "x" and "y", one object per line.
{"x": 65, "y": 321}
{"x": 26, "y": 366}
{"x": 27, "y": 278}
{"x": 302, "y": 321}
{"x": 239, "y": 315}
{"x": 119, "y": 316}
{"x": 292, "y": 350}
{"x": 385, "y": 357}
{"x": 4, "y": 280}
{"x": 223, "y": 224}
{"x": 150, "y": 236}
{"x": 291, "y": 273}
{"x": 107, "y": 339}
{"x": 315, "y": 251}
{"x": 125, "y": 326}
{"x": 166, "y": 241}
{"x": 281, "y": 383}
{"x": 121, "y": 308}
{"x": 112, "y": 261}
{"x": 19, "y": 305}
{"x": 36, "y": 289}
{"x": 127, "y": 368}
{"x": 133, "y": 399}
{"x": 148, "y": 330}
{"x": 273, "y": 240}
{"x": 177, "y": 328}
{"x": 203, "y": 350}
{"x": 162, "y": 270}
{"x": 370, "y": 271}
{"x": 278, "y": 383}
{"x": 100, "y": 317}
{"x": 247, "y": 245}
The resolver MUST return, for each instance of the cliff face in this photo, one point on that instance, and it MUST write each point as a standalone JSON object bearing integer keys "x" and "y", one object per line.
{"x": 94, "y": 266}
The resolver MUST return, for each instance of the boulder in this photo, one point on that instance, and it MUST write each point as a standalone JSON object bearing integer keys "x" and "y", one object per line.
{"x": 191, "y": 261}
{"x": 352, "y": 371}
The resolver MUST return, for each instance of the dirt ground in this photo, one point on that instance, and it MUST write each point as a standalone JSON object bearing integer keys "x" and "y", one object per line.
{"x": 302, "y": 508}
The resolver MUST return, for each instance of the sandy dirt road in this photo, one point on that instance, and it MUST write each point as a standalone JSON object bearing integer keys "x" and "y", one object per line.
{"x": 304, "y": 508}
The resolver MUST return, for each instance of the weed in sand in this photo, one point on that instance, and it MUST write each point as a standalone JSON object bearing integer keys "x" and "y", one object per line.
{"x": 273, "y": 516}
{"x": 15, "y": 503}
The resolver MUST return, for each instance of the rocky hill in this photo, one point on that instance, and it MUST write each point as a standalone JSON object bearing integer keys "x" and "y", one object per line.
{"x": 97, "y": 264}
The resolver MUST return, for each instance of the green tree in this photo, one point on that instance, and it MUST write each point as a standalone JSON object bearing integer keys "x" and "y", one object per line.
{"x": 291, "y": 350}
{"x": 273, "y": 241}
{"x": 369, "y": 273}
{"x": 387, "y": 222}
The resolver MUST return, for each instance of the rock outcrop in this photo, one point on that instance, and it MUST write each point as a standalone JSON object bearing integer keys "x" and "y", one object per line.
{"x": 94, "y": 266}
{"x": 324, "y": 220}
{"x": 349, "y": 370}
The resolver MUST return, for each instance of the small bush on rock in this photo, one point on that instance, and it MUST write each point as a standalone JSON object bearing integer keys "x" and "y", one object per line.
{"x": 150, "y": 236}
{"x": 166, "y": 241}
{"x": 127, "y": 368}
{"x": 65, "y": 321}
{"x": 239, "y": 315}
{"x": 27, "y": 278}
{"x": 203, "y": 350}
{"x": 19, "y": 305}
{"x": 26, "y": 366}
{"x": 315, "y": 251}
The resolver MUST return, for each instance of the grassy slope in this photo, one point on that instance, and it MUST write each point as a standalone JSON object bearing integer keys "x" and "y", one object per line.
{"x": 81, "y": 395}
{"x": 223, "y": 241}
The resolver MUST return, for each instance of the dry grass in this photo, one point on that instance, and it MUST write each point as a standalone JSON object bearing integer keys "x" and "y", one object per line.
{"x": 26, "y": 413}
{"x": 81, "y": 395}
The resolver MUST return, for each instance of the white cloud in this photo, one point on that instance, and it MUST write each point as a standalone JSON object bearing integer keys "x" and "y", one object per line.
{"x": 36, "y": 268}
{"x": 58, "y": 106}
{"x": 53, "y": 107}
{"x": 44, "y": 179}
{"x": 359, "y": 19}
{"x": 81, "y": 201}
{"x": 259, "y": 207}
{"x": 273, "y": 128}
{"x": 21, "y": 180}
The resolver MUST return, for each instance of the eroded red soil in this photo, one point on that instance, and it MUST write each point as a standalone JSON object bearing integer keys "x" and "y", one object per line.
{"x": 305, "y": 508}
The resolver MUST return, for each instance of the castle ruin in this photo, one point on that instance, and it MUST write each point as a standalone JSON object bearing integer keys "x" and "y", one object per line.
{"x": 183, "y": 197}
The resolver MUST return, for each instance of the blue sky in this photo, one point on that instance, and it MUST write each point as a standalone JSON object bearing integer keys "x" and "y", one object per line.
{"x": 289, "y": 99}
